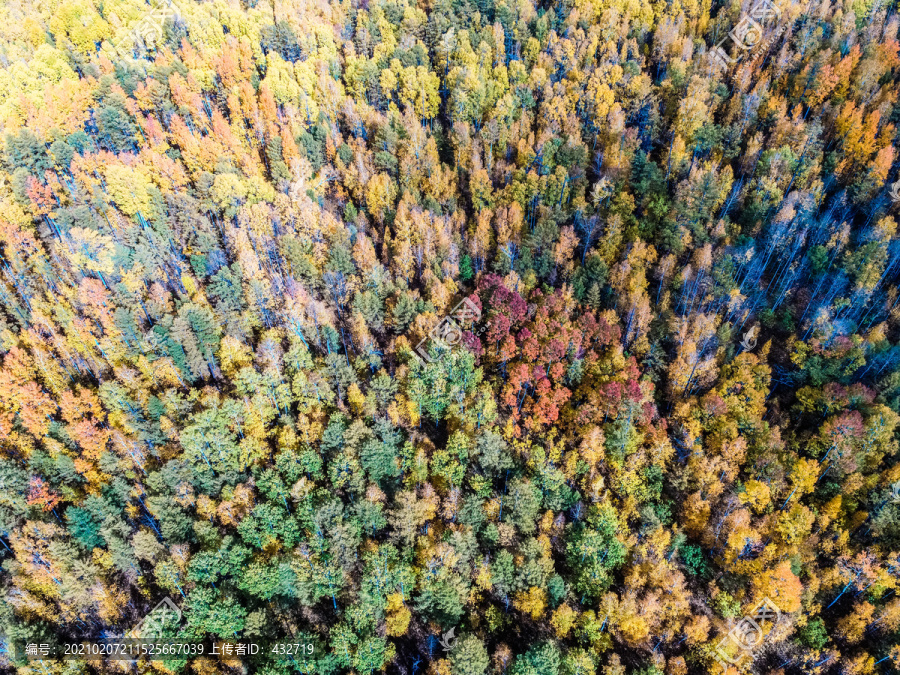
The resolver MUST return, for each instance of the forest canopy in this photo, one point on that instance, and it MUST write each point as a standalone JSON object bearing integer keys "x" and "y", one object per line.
{"x": 236, "y": 239}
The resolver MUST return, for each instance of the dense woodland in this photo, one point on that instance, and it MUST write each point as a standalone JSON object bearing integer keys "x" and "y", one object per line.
{"x": 681, "y": 396}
